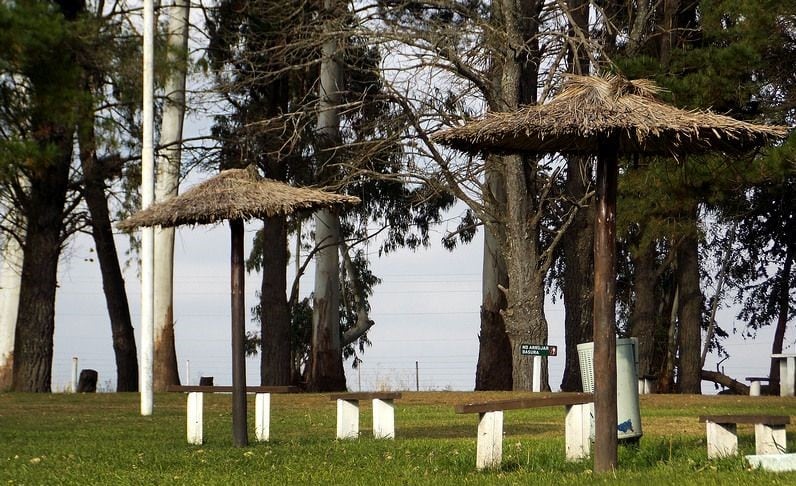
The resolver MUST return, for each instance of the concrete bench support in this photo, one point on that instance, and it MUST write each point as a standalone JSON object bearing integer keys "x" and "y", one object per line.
{"x": 383, "y": 413}
{"x": 195, "y": 412}
{"x": 722, "y": 437}
{"x": 489, "y": 446}
{"x": 262, "y": 417}
{"x": 770, "y": 439}
{"x": 722, "y": 440}
{"x": 787, "y": 373}
{"x": 383, "y": 419}
{"x": 577, "y": 424}
{"x": 347, "y": 419}
{"x": 578, "y": 431}
{"x": 196, "y": 402}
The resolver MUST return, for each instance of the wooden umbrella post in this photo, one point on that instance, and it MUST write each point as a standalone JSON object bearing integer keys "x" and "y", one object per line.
{"x": 239, "y": 430}
{"x": 605, "y": 450}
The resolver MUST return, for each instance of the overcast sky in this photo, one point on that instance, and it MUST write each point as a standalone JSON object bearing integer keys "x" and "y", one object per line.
{"x": 426, "y": 311}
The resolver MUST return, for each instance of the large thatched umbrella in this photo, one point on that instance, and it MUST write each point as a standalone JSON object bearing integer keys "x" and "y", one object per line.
{"x": 235, "y": 195}
{"x": 607, "y": 116}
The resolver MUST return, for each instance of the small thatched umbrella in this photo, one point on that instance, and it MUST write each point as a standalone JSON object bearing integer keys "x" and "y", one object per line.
{"x": 235, "y": 195}
{"x": 607, "y": 116}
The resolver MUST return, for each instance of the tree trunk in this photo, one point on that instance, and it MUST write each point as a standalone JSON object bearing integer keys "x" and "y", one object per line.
{"x": 112, "y": 279}
{"x": 10, "y": 280}
{"x": 275, "y": 361}
{"x": 737, "y": 387}
{"x": 783, "y": 309}
{"x": 577, "y": 285}
{"x": 166, "y": 369}
{"x": 326, "y": 355}
{"x": 578, "y": 245}
{"x": 33, "y": 349}
{"x": 690, "y": 313}
{"x": 493, "y": 371}
{"x": 524, "y": 316}
{"x": 326, "y": 359}
{"x": 643, "y": 321}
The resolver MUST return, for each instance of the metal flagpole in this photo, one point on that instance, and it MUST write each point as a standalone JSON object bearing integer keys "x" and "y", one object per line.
{"x": 146, "y": 362}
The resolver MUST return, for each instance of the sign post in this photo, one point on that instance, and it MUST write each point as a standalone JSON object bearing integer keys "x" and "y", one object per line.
{"x": 537, "y": 351}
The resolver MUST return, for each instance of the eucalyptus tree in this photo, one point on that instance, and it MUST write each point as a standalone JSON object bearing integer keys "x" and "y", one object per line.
{"x": 167, "y": 180}
{"x": 41, "y": 91}
{"x": 498, "y": 55}
{"x": 269, "y": 64}
{"x": 59, "y": 95}
{"x": 715, "y": 54}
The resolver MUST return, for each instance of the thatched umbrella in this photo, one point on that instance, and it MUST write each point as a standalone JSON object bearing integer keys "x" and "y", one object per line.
{"x": 607, "y": 116}
{"x": 235, "y": 195}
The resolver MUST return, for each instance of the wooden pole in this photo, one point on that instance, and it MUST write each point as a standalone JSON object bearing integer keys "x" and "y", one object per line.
{"x": 239, "y": 429}
{"x": 605, "y": 450}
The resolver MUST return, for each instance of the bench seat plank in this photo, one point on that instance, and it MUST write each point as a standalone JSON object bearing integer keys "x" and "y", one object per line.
{"x": 365, "y": 396}
{"x": 542, "y": 400}
{"x": 228, "y": 389}
{"x": 746, "y": 419}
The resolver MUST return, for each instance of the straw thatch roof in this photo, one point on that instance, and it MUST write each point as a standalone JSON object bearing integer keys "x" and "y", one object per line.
{"x": 590, "y": 108}
{"x": 233, "y": 194}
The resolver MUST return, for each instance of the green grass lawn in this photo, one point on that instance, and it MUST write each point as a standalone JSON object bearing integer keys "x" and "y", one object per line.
{"x": 102, "y": 439}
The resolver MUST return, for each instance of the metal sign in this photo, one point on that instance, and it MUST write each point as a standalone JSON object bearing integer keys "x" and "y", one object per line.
{"x": 538, "y": 350}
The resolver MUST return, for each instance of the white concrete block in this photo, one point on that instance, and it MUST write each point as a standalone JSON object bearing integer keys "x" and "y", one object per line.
{"x": 770, "y": 439}
{"x": 262, "y": 417}
{"x": 578, "y": 431}
{"x": 773, "y": 462}
{"x": 722, "y": 440}
{"x": 347, "y": 419}
{"x": 789, "y": 376}
{"x": 383, "y": 419}
{"x": 754, "y": 389}
{"x": 489, "y": 448}
{"x": 195, "y": 412}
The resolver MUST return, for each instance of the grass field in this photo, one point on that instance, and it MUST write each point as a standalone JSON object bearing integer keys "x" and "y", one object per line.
{"x": 102, "y": 439}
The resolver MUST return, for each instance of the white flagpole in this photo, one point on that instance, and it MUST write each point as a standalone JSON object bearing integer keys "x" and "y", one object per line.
{"x": 146, "y": 364}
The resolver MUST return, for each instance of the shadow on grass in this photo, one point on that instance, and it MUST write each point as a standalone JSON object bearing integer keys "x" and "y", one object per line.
{"x": 461, "y": 431}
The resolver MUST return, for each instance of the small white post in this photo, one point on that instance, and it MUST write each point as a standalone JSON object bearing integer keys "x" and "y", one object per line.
{"x": 754, "y": 389}
{"x": 73, "y": 385}
{"x": 383, "y": 419}
{"x": 489, "y": 448}
{"x": 262, "y": 417}
{"x": 789, "y": 382}
{"x": 195, "y": 402}
{"x": 722, "y": 440}
{"x": 770, "y": 439}
{"x": 347, "y": 419}
{"x": 537, "y": 373}
{"x": 577, "y": 430}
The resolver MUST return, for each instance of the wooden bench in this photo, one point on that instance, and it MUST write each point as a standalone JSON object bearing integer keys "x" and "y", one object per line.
{"x": 262, "y": 408}
{"x": 722, "y": 438}
{"x": 348, "y": 413}
{"x": 754, "y": 384}
{"x": 578, "y": 424}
